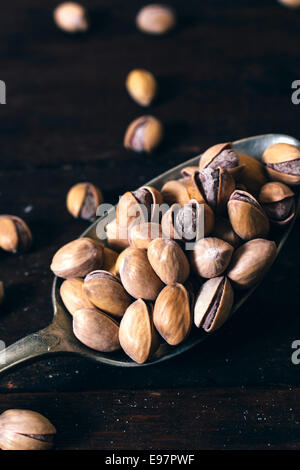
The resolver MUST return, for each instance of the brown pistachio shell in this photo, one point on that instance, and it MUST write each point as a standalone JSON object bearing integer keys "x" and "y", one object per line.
{"x": 213, "y": 304}
{"x": 117, "y": 236}
{"x": 175, "y": 192}
{"x": 141, "y": 86}
{"x": 247, "y": 217}
{"x": 283, "y": 163}
{"x": 106, "y": 292}
{"x": 119, "y": 260}
{"x": 137, "y": 335}
{"x": 156, "y": 19}
{"x": 15, "y": 235}
{"x": 223, "y": 230}
{"x": 253, "y": 174}
{"x": 144, "y": 134}
{"x": 211, "y": 256}
{"x": 168, "y": 261}
{"x": 251, "y": 261}
{"x": 172, "y": 314}
{"x": 221, "y": 156}
{"x": 109, "y": 260}
{"x": 25, "y": 430}
{"x": 278, "y": 201}
{"x": 138, "y": 276}
{"x": 141, "y": 235}
{"x": 167, "y": 222}
{"x": 77, "y": 258}
{"x": 71, "y": 17}
{"x": 83, "y": 200}
{"x": 189, "y": 171}
{"x": 96, "y": 330}
{"x": 72, "y": 295}
{"x": 139, "y": 206}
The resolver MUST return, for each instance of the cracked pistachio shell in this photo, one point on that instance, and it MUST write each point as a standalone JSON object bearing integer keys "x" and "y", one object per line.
{"x": 211, "y": 256}
{"x": 141, "y": 86}
{"x": 117, "y": 236}
{"x": 172, "y": 314}
{"x": 138, "y": 276}
{"x": 144, "y": 134}
{"x": 106, "y": 292}
{"x": 278, "y": 201}
{"x": 283, "y": 163}
{"x": 83, "y": 200}
{"x": 221, "y": 156}
{"x": 71, "y": 17}
{"x": 77, "y": 258}
{"x": 15, "y": 235}
{"x": 253, "y": 174}
{"x": 156, "y": 19}
{"x": 137, "y": 335}
{"x": 213, "y": 304}
{"x": 25, "y": 430}
{"x": 175, "y": 192}
{"x": 141, "y": 235}
{"x": 247, "y": 217}
{"x": 168, "y": 261}
{"x": 72, "y": 295}
{"x": 96, "y": 330}
{"x": 250, "y": 262}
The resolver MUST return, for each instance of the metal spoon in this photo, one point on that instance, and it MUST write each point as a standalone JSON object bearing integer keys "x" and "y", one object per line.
{"x": 58, "y": 337}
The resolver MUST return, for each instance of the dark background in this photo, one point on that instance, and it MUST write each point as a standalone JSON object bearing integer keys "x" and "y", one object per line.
{"x": 225, "y": 73}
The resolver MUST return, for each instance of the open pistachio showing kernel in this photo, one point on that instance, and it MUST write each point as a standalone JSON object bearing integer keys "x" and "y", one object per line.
{"x": 278, "y": 201}
{"x": 283, "y": 163}
{"x": 72, "y": 295}
{"x": 143, "y": 134}
{"x": 221, "y": 156}
{"x": 96, "y": 330}
{"x": 15, "y": 235}
{"x": 211, "y": 256}
{"x": 83, "y": 200}
{"x": 223, "y": 230}
{"x": 251, "y": 261}
{"x": 247, "y": 217}
{"x": 71, "y": 17}
{"x": 141, "y": 235}
{"x": 137, "y": 275}
{"x": 172, "y": 313}
{"x": 106, "y": 292}
{"x": 168, "y": 261}
{"x": 25, "y": 430}
{"x": 141, "y": 86}
{"x": 213, "y": 304}
{"x": 156, "y": 19}
{"x": 77, "y": 258}
{"x": 137, "y": 335}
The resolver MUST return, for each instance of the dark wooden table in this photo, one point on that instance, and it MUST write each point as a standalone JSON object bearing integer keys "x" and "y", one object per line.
{"x": 224, "y": 74}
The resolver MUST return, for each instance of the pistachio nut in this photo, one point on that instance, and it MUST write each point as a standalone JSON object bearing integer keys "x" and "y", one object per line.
{"x": 253, "y": 174}
{"x": 109, "y": 260}
{"x": 278, "y": 201}
{"x": 172, "y": 313}
{"x": 72, "y": 295}
{"x": 143, "y": 134}
{"x": 95, "y": 329}
{"x": 83, "y": 200}
{"x": 250, "y": 262}
{"x": 15, "y": 235}
{"x": 119, "y": 260}
{"x": 168, "y": 261}
{"x": 141, "y": 235}
{"x": 117, "y": 236}
{"x": 138, "y": 276}
{"x": 106, "y": 292}
{"x": 283, "y": 163}
{"x": 247, "y": 217}
{"x": 213, "y": 304}
{"x": 71, "y": 17}
{"x": 223, "y": 230}
{"x": 175, "y": 192}
{"x": 221, "y": 156}
{"x": 156, "y": 19}
{"x": 211, "y": 257}
{"x": 188, "y": 221}
{"x": 77, "y": 258}
{"x": 137, "y": 335}
{"x": 141, "y": 86}
{"x": 25, "y": 430}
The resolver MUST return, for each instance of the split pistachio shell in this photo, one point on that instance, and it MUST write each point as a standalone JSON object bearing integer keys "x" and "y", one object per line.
{"x": 168, "y": 261}
{"x": 106, "y": 292}
{"x": 77, "y": 258}
{"x": 213, "y": 304}
{"x": 141, "y": 235}
{"x": 247, "y": 217}
{"x": 172, "y": 314}
{"x": 211, "y": 256}
{"x": 221, "y": 156}
{"x": 15, "y": 235}
{"x": 25, "y": 430}
{"x": 251, "y": 261}
{"x": 137, "y": 334}
{"x": 141, "y": 86}
{"x": 72, "y": 295}
{"x": 71, "y": 17}
{"x": 156, "y": 19}
{"x": 283, "y": 163}
{"x": 83, "y": 200}
{"x": 278, "y": 201}
{"x": 138, "y": 276}
{"x": 96, "y": 330}
{"x": 144, "y": 134}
